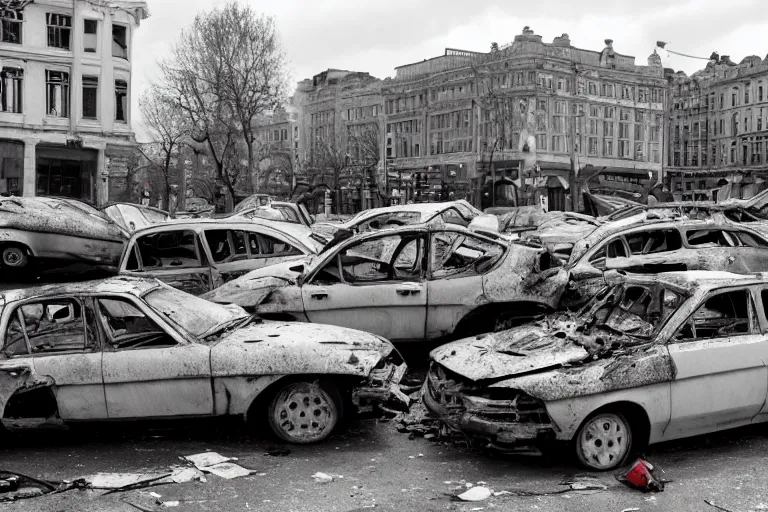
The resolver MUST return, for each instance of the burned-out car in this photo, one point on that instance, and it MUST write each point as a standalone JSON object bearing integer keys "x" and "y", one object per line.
{"x": 647, "y": 244}
{"x": 128, "y": 348}
{"x": 198, "y": 256}
{"x": 649, "y": 359}
{"x": 131, "y": 216}
{"x": 429, "y": 281}
{"x": 460, "y": 213}
{"x": 57, "y": 230}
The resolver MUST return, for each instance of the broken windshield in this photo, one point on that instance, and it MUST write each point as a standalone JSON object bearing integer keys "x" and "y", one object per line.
{"x": 636, "y": 310}
{"x": 195, "y": 315}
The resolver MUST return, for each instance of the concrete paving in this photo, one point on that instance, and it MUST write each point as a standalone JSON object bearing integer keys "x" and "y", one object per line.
{"x": 375, "y": 467}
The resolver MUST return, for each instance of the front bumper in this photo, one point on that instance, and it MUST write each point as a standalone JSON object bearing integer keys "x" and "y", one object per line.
{"x": 383, "y": 388}
{"x": 491, "y": 425}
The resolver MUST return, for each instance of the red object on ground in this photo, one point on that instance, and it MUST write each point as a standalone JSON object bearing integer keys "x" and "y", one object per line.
{"x": 641, "y": 477}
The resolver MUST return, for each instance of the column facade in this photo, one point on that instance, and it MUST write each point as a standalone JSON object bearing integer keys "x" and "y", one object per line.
{"x": 29, "y": 188}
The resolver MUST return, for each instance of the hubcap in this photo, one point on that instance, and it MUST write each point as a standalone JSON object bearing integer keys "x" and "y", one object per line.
{"x": 604, "y": 441}
{"x": 304, "y": 411}
{"x": 13, "y": 257}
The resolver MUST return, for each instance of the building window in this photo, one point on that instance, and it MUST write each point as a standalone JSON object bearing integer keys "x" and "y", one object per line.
{"x": 735, "y": 124}
{"x": 609, "y": 112}
{"x": 59, "y": 29}
{"x": 640, "y": 151}
{"x": 375, "y": 109}
{"x": 90, "y": 96}
{"x": 746, "y": 93}
{"x": 592, "y": 146}
{"x": 121, "y": 100}
{"x": 607, "y": 147}
{"x": 119, "y": 41}
{"x": 760, "y": 93}
{"x": 592, "y": 88}
{"x": 11, "y": 26}
{"x": 559, "y": 107}
{"x": 57, "y": 88}
{"x": 11, "y": 87}
{"x": 734, "y": 96}
{"x": 557, "y": 144}
{"x": 608, "y": 128}
{"x": 608, "y": 90}
{"x": 89, "y": 35}
{"x": 541, "y": 142}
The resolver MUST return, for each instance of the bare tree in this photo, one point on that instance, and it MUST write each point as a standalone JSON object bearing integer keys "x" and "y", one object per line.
{"x": 11, "y": 9}
{"x": 330, "y": 155}
{"x": 169, "y": 128}
{"x": 225, "y": 70}
{"x": 365, "y": 145}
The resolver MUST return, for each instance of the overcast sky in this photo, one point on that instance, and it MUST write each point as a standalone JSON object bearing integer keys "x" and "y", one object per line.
{"x": 362, "y": 35}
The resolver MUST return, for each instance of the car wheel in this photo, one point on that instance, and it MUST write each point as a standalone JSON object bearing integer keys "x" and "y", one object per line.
{"x": 305, "y": 412}
{"x": 604, "y": 441}
{"x": 14, "y": 256}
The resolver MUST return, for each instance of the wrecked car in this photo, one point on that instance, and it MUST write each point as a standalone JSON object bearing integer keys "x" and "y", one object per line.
{"x": 131, "y": 216}
{"x": 53, "y": 229}
{"x": 277, "y": 210}
{"x": 460, "y": 213}
{"x": 647, "y": 244}
{"x": 428, "y": 281}
{"x": 649, "y": 359}
{"x": 128, "y": 348}
{"x": 198, "y": 256}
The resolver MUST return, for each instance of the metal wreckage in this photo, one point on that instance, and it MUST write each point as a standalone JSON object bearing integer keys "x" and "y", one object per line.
{"x": 608, "y": 337}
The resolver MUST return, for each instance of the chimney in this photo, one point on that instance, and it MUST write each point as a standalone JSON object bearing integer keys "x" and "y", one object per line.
{"x": 609, "y": 43}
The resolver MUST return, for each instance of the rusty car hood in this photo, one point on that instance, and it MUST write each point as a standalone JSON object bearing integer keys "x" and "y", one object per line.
{"x": 518, "y": 351}
{"x": 253, "y": 288}
{"x": 273, "y": 347}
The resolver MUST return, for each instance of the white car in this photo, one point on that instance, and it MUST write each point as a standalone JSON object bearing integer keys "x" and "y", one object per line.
{"x": 199, "y": 255}
{"x": 429, "y": 281}
{"x": 127, "y": 348}
{"x": 649, "y": 359}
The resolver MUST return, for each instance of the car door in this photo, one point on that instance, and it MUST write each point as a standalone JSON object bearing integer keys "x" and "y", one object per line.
{"x": 149, "y": 370}
{"x": 720, "y": 356}
{"x": 457, "y": 262}
{"x": 375, "y": 285}
{"x": 176, "y": 257}
{"x": 60, "y": 338}
{"x": 587, "y": 273}
{"x": 716, "y": 249}
{"x": 750, "y": 251}
{"x": 235, "y": 252}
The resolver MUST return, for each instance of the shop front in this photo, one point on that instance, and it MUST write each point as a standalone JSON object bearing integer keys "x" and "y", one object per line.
{"x": 430, "y": 184}
{"x": 716, "y": 185}
{"x": 66, "y": 172}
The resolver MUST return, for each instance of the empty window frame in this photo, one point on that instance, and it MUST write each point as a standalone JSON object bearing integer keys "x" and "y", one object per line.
{"x": 119, "y": 41}
{"x": 722, "y": 315}
{"x": 11, "y": 22}
{"x": 59, "y": 30}
{"x": 11, "y": 87}
{"x": 57, "y": 93}
{"x": 90, "y": 97}
{"x": 121, "y": 101}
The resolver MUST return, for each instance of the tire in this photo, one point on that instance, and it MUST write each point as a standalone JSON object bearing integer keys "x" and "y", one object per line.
{"x": 604, "y": 441}
{"x": 305, "y": 412}
{"x": 14, "y": 256}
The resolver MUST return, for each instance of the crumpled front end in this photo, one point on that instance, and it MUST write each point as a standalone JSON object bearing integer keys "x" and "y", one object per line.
{"x": 382, "y": 387}
{"x": 499, "y": 416}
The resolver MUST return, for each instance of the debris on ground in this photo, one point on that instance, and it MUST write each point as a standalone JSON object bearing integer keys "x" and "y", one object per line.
{"x": 641, "y": 476}
{"x": 418, "y": 422}
{"x": 323, "y": 478}
{"x": 585, "y": 483}
{"x": 214, "y": 463}
{"x": 476, "y": 493}
{"x": 718, "y": 507}
{"x": 18, "y": 486}
{"x": 206, "y": 459}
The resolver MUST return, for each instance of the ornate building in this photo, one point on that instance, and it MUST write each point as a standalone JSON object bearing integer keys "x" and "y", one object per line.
{"x": 538, "y": 119}
{"x": 65, "y": 89}
{"x": 718, "y": 130}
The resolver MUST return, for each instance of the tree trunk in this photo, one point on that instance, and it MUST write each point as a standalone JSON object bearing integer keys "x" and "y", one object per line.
{"x": 337, "y": 189}
{"x": 253, "y": 174}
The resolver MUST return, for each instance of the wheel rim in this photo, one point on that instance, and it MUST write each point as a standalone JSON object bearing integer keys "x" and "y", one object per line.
{"x": 604, "y": 441}
{"x": 13, "y": 257}
{"x": 304, "y": 411}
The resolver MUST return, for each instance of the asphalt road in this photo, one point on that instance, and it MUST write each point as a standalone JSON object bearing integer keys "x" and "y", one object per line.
{"x": 377, "y": 466}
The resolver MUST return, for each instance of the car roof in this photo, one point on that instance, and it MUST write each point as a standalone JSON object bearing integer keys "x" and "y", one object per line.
{"x": 289, "y": 228}
{"x": 422, "y": 208}
{"x": 692, "y": 280}
{"x": 137, "y": 286}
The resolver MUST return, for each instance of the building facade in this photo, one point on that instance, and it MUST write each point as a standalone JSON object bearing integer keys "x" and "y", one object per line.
{"x": 65, "y": 89}
{"x": 559, "y": 116}
{"x": 718, "y": 130}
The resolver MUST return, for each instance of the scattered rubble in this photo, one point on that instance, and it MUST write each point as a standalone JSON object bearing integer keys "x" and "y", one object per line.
{"x": 323, "y": 478}
{"x": 476, "y": 494}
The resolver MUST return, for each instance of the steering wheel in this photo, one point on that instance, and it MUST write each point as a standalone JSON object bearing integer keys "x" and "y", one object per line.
{"x": 729, "y": 329}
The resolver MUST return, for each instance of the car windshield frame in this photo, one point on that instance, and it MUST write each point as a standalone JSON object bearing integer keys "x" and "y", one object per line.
{"x": 200, "y": 318}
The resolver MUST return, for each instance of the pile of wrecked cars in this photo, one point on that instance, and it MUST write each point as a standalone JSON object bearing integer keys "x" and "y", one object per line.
{"x": 607, "y": 333}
